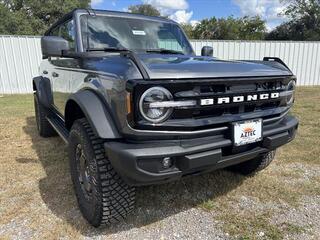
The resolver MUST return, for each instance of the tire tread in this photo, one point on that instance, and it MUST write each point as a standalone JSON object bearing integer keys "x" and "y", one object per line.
{"x": 44, "y": 127}
{"x": 255, "y": 165}
{"x": 117, "y": 198}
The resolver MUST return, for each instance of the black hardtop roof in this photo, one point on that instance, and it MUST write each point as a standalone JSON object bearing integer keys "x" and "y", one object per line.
{"x": 107, "y": 13}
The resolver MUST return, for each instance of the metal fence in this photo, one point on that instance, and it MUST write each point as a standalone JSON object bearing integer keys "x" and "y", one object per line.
{"x": 20, "y": 57}
{"x": 301, "y": 57}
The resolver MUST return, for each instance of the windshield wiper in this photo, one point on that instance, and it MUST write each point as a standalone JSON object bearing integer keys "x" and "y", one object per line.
{"x": 164, "y": 51}
{"x": 108, "y": 49}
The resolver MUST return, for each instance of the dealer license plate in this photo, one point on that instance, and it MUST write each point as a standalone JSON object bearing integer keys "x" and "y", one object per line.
{"x": 247, "y": 132}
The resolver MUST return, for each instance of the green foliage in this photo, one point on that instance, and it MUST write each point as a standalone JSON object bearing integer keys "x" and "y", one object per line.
{"x": 145, "y": 9}
{"x": 245, "y": 28}
{"x": 303, "y": 24}
{"x": 252, "y": 28}
{"x": 188, "y": 29}
{"x": 33, "y": 17}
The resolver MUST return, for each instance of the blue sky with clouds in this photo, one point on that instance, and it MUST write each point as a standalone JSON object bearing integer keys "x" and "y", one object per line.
{"x": 192, "y": 11}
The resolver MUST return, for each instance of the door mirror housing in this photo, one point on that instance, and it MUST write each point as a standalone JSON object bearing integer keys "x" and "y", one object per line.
{"x": 207, "y": 51}
{"x": 53, "y": 46}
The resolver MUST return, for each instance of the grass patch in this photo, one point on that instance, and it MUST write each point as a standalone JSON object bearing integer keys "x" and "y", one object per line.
{"x": 294, "y": 229}
{"x": 253, "y": 226}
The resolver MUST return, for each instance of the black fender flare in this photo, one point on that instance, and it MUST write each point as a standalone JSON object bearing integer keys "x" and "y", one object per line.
{"x": 95, "y": 112}
{"x": 42, "y": 87}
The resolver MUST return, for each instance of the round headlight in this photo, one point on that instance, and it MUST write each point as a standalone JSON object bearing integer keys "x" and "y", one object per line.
{"x": 149, "y": 110}
{"x": 290, "y": 88}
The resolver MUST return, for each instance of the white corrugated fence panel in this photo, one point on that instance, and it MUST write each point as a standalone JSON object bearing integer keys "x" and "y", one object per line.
{"x": 301, "y": 57}
{"x": 20, "y": 57}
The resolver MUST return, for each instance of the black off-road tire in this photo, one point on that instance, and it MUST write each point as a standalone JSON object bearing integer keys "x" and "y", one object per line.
{"x": 255, "y": 165}
{"x": 44, "y": 127}
{"x": 102, "y": 195}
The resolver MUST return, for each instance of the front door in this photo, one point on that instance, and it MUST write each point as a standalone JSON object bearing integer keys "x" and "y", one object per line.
{"x": 60, "y": 79}
{"x": 61, "y": 73}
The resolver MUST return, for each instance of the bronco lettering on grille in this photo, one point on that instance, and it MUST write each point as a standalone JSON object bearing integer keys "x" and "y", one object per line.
{"x": 239, "y": 98}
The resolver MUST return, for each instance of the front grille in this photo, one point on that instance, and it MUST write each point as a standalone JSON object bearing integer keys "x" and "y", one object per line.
{"x": 217, "y": 111}
{"x": 201, "y": 117}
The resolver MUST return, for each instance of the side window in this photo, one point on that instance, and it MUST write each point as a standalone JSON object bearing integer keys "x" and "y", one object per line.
{"x": 55, "y": 32}
{"x": 67, "y": 31}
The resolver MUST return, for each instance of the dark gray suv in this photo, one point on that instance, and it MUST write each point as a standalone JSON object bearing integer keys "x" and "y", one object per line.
{"x": 136, "y": 106}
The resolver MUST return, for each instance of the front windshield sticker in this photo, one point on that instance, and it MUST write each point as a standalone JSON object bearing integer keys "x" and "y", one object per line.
{"x": 139, "y": 32}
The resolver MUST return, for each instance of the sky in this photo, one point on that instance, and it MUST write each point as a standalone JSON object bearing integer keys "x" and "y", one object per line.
{"x": 191, "y": 11}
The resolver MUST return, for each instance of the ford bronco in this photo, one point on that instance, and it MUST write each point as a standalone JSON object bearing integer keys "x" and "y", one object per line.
{"x": 136, "y": 106}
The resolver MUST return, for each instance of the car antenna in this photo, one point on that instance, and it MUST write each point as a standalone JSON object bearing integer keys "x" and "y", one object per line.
{"x": 93, "y": 11}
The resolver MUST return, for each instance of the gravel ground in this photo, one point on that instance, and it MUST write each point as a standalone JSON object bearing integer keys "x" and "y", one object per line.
{"x": 177, "y": 226}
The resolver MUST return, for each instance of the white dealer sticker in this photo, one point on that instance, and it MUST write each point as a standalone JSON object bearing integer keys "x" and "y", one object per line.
{"x": 139, "y": 32}
{"x": 247, "y": 132}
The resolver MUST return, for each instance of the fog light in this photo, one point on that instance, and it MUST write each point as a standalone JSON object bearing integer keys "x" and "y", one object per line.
{"x": 167, "y": 162}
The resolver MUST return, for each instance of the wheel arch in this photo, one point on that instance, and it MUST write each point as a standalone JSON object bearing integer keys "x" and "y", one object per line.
{"x": 42, "y": 88}
{"x": 86, "y": 103}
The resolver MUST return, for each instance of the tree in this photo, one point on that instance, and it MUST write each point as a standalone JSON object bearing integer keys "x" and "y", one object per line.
{"x": 252, "y": 28}
{"x": 145, "y": 9}
{"x": 188, "y": 29}
{"x": 303, "y": 24}
{"x": 245, "y": 28}
{"x": 33, "y": 17}
{"x": 14, "y": 22}
{"x": 302, "y": 9}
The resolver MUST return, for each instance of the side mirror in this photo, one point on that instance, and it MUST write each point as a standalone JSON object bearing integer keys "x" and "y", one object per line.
{"x": 53, "y": 46}
{"x": 207, "y": 51}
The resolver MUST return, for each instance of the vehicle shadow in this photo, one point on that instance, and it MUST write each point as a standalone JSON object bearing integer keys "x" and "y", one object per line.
{"x": 153, "y": 203}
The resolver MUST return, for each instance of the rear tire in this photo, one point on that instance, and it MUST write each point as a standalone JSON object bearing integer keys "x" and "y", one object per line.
{"x": 44, "y": 127}
{"x": 103, "y": 197}
{"x": 255, "y": 165}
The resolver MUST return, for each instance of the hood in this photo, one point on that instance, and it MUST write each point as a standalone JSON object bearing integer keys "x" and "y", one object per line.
{"x": 161, "y": 66}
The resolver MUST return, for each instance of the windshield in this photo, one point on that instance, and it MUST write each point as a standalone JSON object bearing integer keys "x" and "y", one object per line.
{"x": 102, "y": 32}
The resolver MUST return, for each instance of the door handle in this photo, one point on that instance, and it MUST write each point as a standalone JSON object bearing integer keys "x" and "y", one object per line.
{"x": 45, "y": 72}
{"x": 54, "y": 74}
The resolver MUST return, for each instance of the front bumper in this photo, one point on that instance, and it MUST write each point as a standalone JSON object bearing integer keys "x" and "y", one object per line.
{"x": 140, "y": 163}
